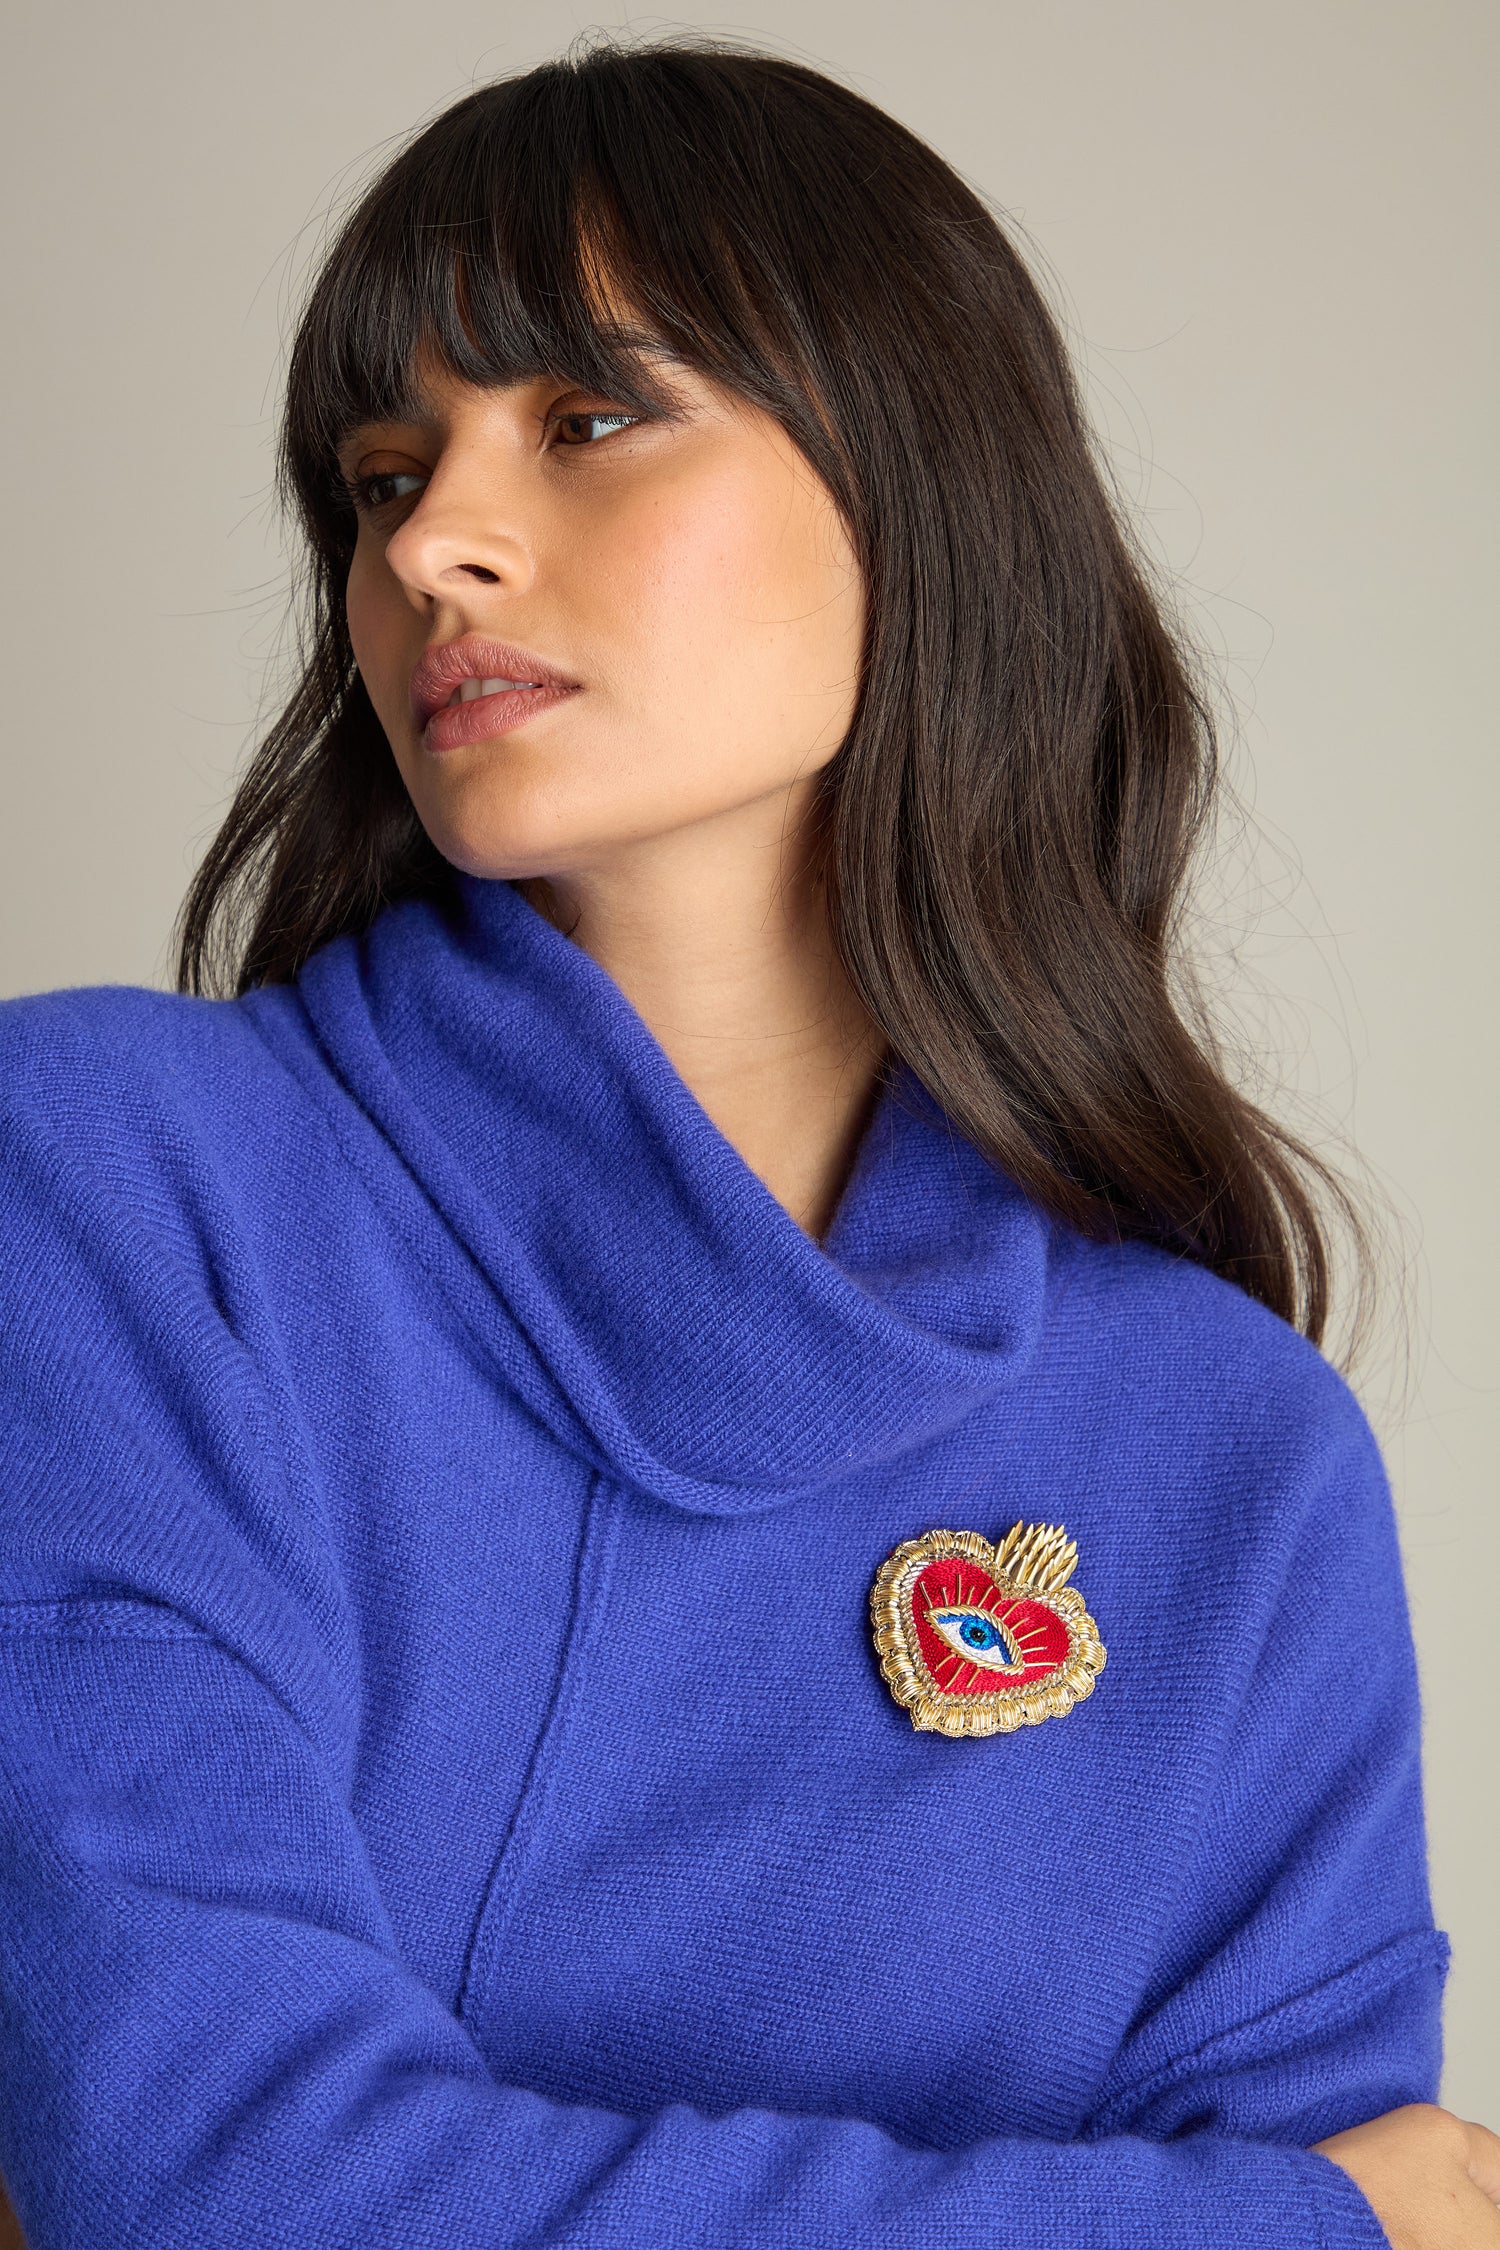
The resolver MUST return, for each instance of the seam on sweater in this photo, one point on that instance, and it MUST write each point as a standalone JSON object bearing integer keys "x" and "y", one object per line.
{"x": 86, "y": 1617}
{"x": 590, "y": 1583}
{"x": 68, "y": 1621}
{"x": 1320, "y": 2006}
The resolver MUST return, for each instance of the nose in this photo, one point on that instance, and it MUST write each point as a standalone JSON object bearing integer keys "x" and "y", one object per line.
{"x": 465, "y": 532}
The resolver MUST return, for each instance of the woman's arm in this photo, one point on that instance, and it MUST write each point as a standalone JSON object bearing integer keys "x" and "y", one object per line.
{"x": 1299, "y": 1977}
{"x": 1431, "y": 2180}
{"x": 211, "y": 2035}
{"x": 212, "y": 2039}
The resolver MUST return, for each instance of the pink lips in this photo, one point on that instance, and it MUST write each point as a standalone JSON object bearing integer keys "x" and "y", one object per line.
{"x": 449, "y": 726}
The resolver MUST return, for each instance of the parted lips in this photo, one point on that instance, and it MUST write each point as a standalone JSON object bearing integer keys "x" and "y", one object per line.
{"x": 981, "y": 1639}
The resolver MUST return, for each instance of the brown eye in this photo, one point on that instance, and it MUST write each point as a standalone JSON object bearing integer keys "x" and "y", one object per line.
{"x": 379, "y": 490}
{"x": 587, "y": 427}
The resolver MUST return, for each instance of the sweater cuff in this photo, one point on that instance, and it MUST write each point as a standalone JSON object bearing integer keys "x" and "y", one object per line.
{"x": 1346, "y": 2220}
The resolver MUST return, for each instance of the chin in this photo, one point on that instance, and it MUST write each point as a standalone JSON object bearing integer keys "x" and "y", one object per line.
{"x": 516, "y": 840}
{"x": 506, "y": 830}
{"x": 497, "y": 829}
{"x": 501, "y": 857}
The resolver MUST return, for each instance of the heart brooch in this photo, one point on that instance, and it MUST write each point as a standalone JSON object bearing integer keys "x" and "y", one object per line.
{"x": 975, "y": 1639}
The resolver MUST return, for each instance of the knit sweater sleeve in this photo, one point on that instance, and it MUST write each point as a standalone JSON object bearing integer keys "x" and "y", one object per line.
{"x": 1302, "y": 1991}
{"x": 212, "y": 2038}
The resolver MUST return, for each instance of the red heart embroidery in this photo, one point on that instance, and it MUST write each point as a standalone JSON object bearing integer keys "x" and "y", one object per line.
{"x": 962, "y": 1617}
{"x": 975, "y": 1639}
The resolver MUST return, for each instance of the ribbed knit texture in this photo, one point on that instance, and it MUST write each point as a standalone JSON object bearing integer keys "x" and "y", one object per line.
{"x": 451, "y": 1801}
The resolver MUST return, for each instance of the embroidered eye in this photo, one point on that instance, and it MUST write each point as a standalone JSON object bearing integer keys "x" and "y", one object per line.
{"x": 982, "y": 1638}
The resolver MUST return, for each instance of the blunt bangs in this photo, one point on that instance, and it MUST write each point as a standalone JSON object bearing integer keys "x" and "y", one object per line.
{"x": 538, "y": 229}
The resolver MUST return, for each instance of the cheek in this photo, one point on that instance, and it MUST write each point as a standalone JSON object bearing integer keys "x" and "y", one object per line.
{"x": 740, "y": 573}
{"x": 363, "y": 613}
{"x": 379, "y": 624}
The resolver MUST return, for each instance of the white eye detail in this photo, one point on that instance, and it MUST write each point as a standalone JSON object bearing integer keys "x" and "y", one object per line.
{"x": 981, "y": 1637}
{"x": 575, "y": 424}
{"x": 381, "y": 489}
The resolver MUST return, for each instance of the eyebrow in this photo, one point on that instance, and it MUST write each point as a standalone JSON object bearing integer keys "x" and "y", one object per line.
{"x": 416, "y": 410}
{"x": 644, "y": 342}
{"x": 412, "y": 413}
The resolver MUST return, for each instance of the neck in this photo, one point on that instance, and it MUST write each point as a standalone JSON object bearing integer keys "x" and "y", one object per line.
{"x": 718, "y": 936}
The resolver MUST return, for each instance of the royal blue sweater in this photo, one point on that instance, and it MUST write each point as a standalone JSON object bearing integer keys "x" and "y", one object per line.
{"x": 452, "y": 1797}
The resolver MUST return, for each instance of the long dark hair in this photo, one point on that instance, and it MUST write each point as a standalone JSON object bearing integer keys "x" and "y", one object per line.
{"x": 1007, "y": 830}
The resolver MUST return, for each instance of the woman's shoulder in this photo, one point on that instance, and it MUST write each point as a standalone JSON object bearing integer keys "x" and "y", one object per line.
{"x": 130, "y": 1110}
{"x": 1203, "y": 1359}
{"x": 106, "y": 1064}
{"x": 98, "y": 1038}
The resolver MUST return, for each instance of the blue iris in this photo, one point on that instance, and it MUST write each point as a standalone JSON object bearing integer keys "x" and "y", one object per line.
{"x": 977, "y": 1633}
{"x": 971, "y": 1632}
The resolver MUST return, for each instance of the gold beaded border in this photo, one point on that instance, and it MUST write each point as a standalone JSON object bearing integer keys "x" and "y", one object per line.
{"x": 1052, "y": 1696}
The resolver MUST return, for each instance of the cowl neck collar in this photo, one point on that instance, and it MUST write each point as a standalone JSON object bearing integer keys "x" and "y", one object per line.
{"x": 655, "y": 1305}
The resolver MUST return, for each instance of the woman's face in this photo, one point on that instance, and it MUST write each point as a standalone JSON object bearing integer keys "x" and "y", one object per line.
{"x": 684, "y": 588}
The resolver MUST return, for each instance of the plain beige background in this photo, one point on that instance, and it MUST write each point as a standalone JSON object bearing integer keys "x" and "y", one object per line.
{"x": 1270, "y": 226}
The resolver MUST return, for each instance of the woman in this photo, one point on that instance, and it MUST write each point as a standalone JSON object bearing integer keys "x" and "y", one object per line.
{"x": 675, "y": 1573}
